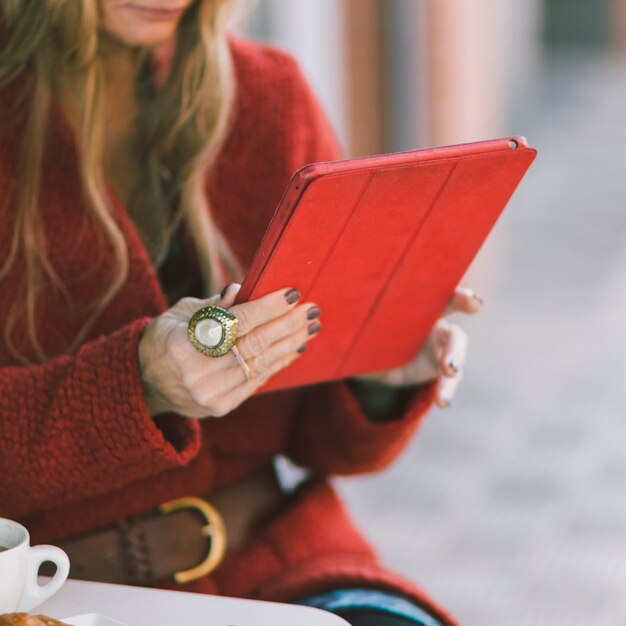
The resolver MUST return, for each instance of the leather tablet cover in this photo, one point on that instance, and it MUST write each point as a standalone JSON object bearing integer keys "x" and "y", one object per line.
{"x": 380, "y": 244}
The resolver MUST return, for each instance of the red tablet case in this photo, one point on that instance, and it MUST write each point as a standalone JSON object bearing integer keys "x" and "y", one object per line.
{"x": 380, "y": 243}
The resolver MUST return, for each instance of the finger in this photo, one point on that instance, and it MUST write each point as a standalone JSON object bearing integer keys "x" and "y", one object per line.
{"x": 455, "y": 351}
{"x": 264, "y": 309}
{"x": 254, "y": 343}
{"x": 257, "y": 341}
{"x": 250, "y": 344}
{"x": 232, "y": 399}
{"x": 446, "y": 389}
{"x": 259, "y": 348}
{"x": 438, "y": 342}
{"x": 464, "y": 300}
{"x": 229, "y": 294}
{"x": 194, "y": 362}
{"x": 277, "y": 351}
{"x": 265, "y": 362}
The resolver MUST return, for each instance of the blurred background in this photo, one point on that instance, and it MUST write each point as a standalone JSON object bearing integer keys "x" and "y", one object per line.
{"x": 510, "y": 506}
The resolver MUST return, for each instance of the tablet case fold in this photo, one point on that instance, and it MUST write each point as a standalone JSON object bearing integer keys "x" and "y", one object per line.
{"x": 380, "y": 245}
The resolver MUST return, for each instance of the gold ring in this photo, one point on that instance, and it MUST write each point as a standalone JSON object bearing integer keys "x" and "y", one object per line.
{"x": 212, "y": 330}
{"x": 242, "y": 362}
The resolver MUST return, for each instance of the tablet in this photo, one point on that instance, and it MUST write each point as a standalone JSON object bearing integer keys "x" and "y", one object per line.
{"x": 380, "y": 244}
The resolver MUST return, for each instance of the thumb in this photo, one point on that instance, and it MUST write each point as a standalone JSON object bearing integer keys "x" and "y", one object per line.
{"x": 229, "y": 295}
{"x": 186, "y": 307}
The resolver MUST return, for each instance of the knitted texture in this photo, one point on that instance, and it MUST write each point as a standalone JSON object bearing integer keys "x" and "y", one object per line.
{"x": 79, "y": 450}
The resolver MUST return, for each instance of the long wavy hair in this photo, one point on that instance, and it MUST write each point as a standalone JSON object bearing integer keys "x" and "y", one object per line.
{"x": 181, "y": 127}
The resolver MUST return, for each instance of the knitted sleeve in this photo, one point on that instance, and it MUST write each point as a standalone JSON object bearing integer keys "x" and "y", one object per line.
{"x": 77, "y": 426}
{"x": 332, "y": 432}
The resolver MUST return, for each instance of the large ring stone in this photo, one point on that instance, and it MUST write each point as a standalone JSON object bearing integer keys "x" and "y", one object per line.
{"x": 212, "y": 330}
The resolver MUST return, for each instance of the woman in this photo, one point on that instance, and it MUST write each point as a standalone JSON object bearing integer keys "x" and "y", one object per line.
{"x": 141, "y": 155}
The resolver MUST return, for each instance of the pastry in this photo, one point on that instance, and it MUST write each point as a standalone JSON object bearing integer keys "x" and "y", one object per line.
{"x": 24, "y": 619}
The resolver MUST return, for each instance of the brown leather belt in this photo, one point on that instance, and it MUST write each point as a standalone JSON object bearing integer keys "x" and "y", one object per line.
{"x": 182, "y": 540}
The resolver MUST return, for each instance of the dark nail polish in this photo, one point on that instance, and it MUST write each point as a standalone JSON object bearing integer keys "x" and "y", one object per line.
{"x": 313, "y": 313}
{"x": 478, "y": 297}
{"x": 315, "y": 327}
{"x": 302, "y": 348}
{"x": 291, "y": 296}
{"x": 453, "y": 365}
{"x": 223, "y": 294}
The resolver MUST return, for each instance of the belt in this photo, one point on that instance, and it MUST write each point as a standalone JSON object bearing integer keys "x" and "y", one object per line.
{"x": 182, "y": 540}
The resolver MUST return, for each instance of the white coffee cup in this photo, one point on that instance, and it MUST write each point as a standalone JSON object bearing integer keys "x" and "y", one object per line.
{"x": 19, "y": 566}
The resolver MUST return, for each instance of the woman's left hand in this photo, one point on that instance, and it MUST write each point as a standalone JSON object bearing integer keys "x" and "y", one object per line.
{"x": 443, "y": 355}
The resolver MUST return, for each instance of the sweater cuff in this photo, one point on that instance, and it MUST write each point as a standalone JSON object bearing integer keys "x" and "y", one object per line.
{"x": 409, "y": 407}
{"x": 383, "y": 403}
{"x": 126, "y": 427}
{"x": 338, "y": 438}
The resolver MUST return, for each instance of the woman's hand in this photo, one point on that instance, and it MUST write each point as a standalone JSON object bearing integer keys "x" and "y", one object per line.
{"x": 273, "y": 331}
{"x": 443, "y": 355}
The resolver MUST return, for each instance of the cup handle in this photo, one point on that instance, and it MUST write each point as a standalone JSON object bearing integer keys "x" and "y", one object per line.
{"x": 34, "y": 593}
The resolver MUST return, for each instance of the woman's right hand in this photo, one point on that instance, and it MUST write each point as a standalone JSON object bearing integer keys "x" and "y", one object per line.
{"x": 272, "y": 332}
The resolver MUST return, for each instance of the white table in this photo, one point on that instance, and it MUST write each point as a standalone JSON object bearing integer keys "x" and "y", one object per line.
{"x": 137, "y": 606}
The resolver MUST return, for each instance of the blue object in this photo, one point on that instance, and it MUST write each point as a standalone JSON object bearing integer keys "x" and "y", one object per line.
{"x": 341, "y": 600}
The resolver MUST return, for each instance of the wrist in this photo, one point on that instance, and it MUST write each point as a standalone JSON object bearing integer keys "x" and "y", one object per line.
{"x": 153, "y": 400}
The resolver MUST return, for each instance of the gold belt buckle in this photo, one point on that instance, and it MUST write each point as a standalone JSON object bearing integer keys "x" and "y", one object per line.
{"x": 214, "y": 529}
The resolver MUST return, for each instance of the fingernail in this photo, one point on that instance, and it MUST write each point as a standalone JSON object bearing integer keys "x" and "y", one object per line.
{"x": 478, "y": 297}
{"x": 313, "y": 328}
{"x": 291, "y": 296}
{"x": 313, "y": 313}
{"x": 445, "y": 402}
{"x": 302, "y": 348}
{"x": 223, "y": 294}
{"x": 452, "y": 364}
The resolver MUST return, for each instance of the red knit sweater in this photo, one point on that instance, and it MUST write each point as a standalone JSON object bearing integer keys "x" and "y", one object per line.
{"x": 78, "y": 449}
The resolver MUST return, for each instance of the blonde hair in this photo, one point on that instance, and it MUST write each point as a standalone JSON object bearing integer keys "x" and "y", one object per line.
{"x": 181, "y": 129}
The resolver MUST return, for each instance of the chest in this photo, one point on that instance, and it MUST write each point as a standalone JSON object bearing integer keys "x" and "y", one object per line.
{"x": 119, "y": 145}
{"x": 242, "y": 188}
{"x": 77, "y": 248}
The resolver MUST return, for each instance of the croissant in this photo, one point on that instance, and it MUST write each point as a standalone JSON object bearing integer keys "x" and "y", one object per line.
{"x": 24, "y": 619}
